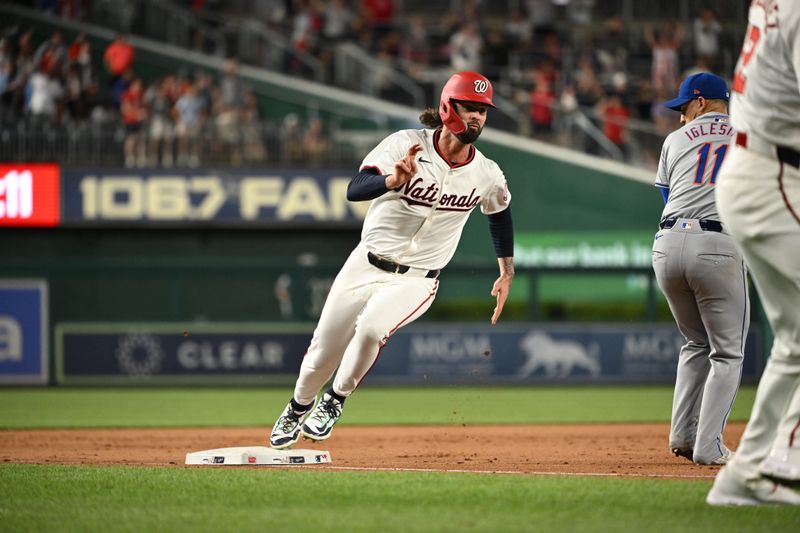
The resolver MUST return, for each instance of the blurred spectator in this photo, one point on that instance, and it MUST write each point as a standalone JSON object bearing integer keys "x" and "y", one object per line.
{"x": 118, "y": 58}
{"x": 51, "y": 55}
{"x": 306, "y": 26}
{"x": 465, "y": 48}
{"x": 615, "y": 121}
{"x": 273, "y": 12}
{"x": 664, "y": 46}
{"x": 227, "y": 113}
{"x": 587, "y": 88}
{"x": 292, "y": 139}
{"x": 6, "y": 76}
{"x": 80, "y": 53}
{"x": 24, "y": 66}
{"x": 707, "y": 31}
{"x": 121, "y": 84}
{"x": 542, "y": 101}
{"x": 133, "y": 114}
{"x": 316, "y": 143}
{"x": 611, "y": 47}
{"x": 73, "y": 93}
{"x": 643, "y": 101}
{"x": 160, "y": 130}
{"x": 252, "y": 132}
{"x": 338, "y": 18}
{"x": 379, "y": 14}
{"x": 44, "y": 93}
{"x": 190, "y": 117}
{"x": 519, "y": 30}
{"x": 541, "y": 13}
{"x": 416, "y": 42}
{"x": 665, "y": 119}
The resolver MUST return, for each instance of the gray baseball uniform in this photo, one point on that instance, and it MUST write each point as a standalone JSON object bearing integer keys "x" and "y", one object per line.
{"x": 760, "y": 204}
{"x": 703, "y": 277}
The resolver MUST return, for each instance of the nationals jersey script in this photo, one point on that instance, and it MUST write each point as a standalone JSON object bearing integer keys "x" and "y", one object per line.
{"x": 420, "y": 223}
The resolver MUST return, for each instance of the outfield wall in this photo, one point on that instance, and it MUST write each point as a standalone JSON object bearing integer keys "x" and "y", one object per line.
{"x": 474, "y": 354}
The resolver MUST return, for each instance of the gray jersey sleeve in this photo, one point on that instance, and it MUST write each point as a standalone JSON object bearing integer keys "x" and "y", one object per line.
{"x": 690, "y": 160}
{"x": 662, "y": 175}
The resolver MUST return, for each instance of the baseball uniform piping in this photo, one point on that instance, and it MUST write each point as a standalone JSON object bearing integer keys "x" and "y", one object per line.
{"x": 469, "y": 159}
{"x": 744, "y": 314}
{"x": 391, "y": 332}
{"x": 792, "y": 434}
{"x": 431, "y": 295}
{"x": 373, "y": 167}
{"x": 785, "y": 198}
{"x": 741, "y": 367}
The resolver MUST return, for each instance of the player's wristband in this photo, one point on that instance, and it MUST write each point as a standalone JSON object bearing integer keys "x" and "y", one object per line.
{"x": 501, "y": 226}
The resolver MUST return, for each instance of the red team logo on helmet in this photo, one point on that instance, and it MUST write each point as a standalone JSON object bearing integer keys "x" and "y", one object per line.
{"x": 466, "y": 87}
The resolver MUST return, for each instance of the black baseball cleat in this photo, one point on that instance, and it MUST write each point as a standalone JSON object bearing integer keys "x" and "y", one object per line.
{"x": 687, "y": 453}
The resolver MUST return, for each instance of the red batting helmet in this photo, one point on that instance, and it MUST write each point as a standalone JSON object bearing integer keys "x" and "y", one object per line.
{"x": 465, "y": 86}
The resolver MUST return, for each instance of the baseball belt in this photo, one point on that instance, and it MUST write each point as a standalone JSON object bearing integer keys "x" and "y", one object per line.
{"x": 784, "y": 154}
{"x": 705, "y": 225}
{"x": 395, "y": 268}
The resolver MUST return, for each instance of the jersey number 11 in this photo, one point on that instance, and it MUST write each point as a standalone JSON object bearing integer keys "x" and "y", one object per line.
{"x": 702, "y": 162}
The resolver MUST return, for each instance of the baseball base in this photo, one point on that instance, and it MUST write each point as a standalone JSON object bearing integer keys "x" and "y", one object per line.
{"x": 257, "y": 456}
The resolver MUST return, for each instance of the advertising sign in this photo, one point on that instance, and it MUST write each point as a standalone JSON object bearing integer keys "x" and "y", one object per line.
{"x": 540, "y": 353}
{"x": 162, "y": 353}
{"x": 436, "y": 353}
{"x": 603, "y": 249}
{"x": 29, "y": 195}
{"x": 229, "y": 197}
{"x": 23, "y": 331}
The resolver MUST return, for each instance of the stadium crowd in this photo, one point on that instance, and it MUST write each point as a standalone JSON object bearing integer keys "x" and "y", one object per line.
{"x": 555, "y": 60}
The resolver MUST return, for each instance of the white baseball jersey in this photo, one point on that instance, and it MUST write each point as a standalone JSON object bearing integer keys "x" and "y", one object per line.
{"x": 765, "y": 100}
{"x": 420, "y": 223}
{"x": 759, "y": 201}
{"x": 690, "y": 159}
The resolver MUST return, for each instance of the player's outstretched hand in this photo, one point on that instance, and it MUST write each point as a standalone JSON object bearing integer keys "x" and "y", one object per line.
{"x": 404, "y": 168}
{"x": 500, "y": 291}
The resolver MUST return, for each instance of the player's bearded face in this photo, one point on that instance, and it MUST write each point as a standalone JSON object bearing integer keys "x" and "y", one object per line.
{"x": 474, "y": 116}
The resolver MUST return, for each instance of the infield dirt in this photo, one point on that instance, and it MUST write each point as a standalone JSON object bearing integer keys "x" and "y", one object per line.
{"x": 595, "y": 449}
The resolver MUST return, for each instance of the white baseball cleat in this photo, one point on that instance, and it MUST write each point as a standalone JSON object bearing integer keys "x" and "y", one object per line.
{"x": 723, "y": 459}
{"x": 286, "y": 430}
{"x": 782, "y": 465}
{"x": 731, "y": 489}
{"x": 319, "y": 424}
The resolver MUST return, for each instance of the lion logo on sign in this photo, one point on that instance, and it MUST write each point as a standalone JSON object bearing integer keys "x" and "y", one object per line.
{"x": 557, "y": 358}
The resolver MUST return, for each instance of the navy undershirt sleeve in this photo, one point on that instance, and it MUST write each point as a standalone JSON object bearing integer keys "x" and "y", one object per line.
{"x": 501, "y": 226}
{"x": 665, "y": 194}
{"x": 366, "y": 185}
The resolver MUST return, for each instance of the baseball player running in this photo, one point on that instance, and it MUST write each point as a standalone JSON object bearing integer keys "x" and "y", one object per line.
{"x": 700, "y": 271}
{"x": 423, "y": 185}
{"x": 759, "y": 201}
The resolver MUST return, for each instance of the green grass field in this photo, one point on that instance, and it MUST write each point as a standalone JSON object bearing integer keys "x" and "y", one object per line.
{"x": 71, "y": 498}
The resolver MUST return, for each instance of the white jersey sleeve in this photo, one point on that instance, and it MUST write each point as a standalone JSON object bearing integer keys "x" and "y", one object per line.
{"x": 383, "y": 157}
{"x": 498, "y": 197}
{"x": 765, "y": 96}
